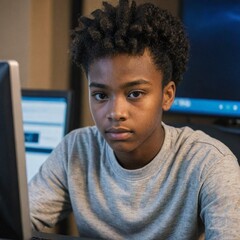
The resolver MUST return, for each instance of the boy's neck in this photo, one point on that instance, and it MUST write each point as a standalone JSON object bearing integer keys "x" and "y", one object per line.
{"x": 138, "y": 159}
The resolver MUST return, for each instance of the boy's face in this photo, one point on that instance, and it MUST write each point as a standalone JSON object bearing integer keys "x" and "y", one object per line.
{"x": 126, "y": 101}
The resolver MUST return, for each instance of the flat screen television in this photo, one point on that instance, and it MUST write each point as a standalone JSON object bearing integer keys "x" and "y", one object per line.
{"x": 211, "y": 85}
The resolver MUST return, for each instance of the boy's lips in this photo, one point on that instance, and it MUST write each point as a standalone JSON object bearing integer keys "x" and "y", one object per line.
{"x": 118, "y": 133}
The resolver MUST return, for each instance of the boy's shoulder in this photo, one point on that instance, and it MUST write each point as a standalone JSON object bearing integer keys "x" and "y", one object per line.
{"x": 190, "y": 138}
{"x": 196, "y": 148}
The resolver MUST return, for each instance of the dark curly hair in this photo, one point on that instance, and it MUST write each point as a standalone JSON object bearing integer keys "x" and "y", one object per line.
{"x": 130, "y": 29}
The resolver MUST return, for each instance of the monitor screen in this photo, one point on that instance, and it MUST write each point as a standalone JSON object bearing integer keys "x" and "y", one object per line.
{"x": 46, "y": 119}
{"x": 211, "y": 84}
{"x": 13, "y": 183}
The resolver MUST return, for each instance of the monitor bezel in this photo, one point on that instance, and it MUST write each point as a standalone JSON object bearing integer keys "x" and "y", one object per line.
{"x": 18, "y": 143}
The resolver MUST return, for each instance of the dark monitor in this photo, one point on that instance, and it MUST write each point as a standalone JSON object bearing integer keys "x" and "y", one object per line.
{"x": 211, "y": 85}
{"x": 14, "y": 224}
{"x": 14, "y": 204}
{"x": 47, "y": 119}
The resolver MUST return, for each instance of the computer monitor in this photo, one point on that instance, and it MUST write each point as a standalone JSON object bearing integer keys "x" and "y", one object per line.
{"x": 47, "y": 118}
{"x": 211, "y": 84}
{"x": 13, "y": 182}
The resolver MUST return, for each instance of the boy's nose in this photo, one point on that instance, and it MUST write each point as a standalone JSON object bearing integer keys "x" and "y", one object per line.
{"x": 117, "y": 110}
{"x": 116, "y": 116}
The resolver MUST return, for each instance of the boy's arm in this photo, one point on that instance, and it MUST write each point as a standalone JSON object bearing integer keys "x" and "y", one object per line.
{"x": 220, "y": 200}
{"x": 48, "y": 194}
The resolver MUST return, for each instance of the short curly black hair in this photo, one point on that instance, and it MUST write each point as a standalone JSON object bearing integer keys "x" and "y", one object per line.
{"x": 131, "y": 29}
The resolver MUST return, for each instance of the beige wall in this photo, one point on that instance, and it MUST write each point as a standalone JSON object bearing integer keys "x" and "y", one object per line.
{"x": 36, "y": 34}
{"x": 49, "y": 60}
{"x": 172, "y": 5}
{"x": 15, "y": 34}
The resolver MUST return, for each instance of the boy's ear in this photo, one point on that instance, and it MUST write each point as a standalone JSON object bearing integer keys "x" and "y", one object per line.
{"x": 168, "y": 95}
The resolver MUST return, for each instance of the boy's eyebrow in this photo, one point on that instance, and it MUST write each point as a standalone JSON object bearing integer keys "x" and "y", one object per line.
{"x": 125, "y": 85}
{"x": 135, "y": 83}
{"x": 97, "y": 85}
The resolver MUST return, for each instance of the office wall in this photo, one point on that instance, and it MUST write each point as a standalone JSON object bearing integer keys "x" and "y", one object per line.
{"x": 49, "y": 36}
{"x": 171, "y": 5}
{"x": 15, "y": 34}
{"x": 36, "y": 34}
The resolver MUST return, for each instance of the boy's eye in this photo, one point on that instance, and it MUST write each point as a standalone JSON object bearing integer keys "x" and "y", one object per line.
{"x": 135, "y": 94}
{"x": 99, "y": 96}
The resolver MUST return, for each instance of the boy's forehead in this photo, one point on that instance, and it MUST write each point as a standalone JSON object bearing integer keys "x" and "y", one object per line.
{"x": 122, "y": 61}
{"x": 123, "y": 68}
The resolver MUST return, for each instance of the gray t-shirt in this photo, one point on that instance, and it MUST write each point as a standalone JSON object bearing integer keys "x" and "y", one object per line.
{"x": 192, "y": 186}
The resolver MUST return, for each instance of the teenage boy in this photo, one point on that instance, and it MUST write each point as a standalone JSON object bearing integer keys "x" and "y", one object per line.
{"x": 131, "y": 176}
